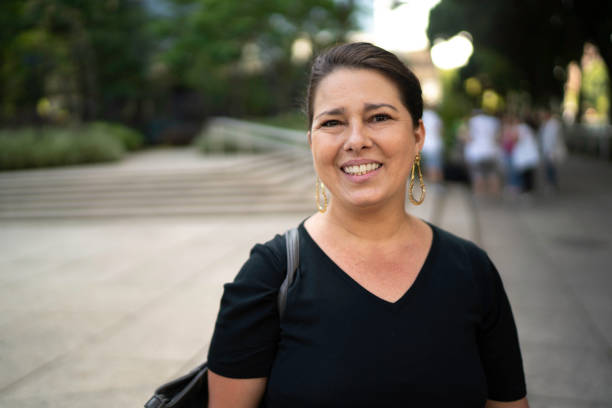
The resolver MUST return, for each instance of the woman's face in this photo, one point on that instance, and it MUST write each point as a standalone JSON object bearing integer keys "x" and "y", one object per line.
{"x": 363, "y": 140}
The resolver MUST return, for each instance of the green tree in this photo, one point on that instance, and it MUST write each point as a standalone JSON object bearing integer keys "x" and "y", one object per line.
{"x": 91, "y": 57}
{"x": 124, "y": 60}
{"x": 238, "y": 54}
{"x": 518, "y": 43}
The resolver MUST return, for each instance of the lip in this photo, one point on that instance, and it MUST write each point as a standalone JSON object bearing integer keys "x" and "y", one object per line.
{"x": 358, "y": 162}
{"x": 364, "y": 177}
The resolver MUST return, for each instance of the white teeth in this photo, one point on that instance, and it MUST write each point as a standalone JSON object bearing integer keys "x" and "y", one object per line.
{"x": 361, "y": 169}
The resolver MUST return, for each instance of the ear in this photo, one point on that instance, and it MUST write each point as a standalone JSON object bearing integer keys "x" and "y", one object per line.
{"x": 419, "y": 135}
{"x": 309, "y": 140}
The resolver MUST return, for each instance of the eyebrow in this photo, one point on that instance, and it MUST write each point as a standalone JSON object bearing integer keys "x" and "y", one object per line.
{"x": 336, "y": 111}
{"x": 373, "y": 106}
{"x": 367, "y": 107}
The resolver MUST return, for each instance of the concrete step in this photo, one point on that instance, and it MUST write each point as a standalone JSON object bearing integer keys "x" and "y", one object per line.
{"x": 274, "y": 182}
{"x": 264, "y": 166}
{"x": 234, "y": 183}
{"x": 199, "y": 191}
{"x": 157, "y": 198}
{"x": 278, "y": 207}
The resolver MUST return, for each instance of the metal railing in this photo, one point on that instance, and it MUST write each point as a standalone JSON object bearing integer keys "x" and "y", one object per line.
{"x": 223, "y": 134}
{"x": 592, "y": 140}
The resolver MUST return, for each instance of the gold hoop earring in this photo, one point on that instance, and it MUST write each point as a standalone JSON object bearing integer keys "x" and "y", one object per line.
{"x": 416, "y": 164}
{"x": 320, "y": 191}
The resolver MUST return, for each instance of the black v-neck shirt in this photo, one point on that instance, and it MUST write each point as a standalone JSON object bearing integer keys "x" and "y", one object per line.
{"x": 449, "y": 341}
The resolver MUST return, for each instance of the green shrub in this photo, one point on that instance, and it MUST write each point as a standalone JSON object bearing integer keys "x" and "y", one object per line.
{"x": 128, "y": 137}
{"x": 44, "y": 147}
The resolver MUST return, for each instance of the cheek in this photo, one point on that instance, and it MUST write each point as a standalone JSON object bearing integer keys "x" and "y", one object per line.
{"x": 324, "y": 150}
{"x": 402, "y": 146}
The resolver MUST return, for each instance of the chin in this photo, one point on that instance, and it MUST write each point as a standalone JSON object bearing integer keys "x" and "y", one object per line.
{"x": 363, "y": 202}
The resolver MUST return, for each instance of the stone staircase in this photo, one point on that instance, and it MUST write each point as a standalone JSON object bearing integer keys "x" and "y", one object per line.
{"x": 168, "y": 182}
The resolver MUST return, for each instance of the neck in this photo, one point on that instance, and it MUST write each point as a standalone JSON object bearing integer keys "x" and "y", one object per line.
{"x": 368, "y": 224}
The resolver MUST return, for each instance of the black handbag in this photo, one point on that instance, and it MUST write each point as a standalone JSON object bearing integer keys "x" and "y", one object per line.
{"x": 191, "y": 390}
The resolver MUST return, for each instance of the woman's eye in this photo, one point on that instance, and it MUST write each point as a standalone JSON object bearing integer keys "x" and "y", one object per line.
{"x": 330, "y": 123}
{"x": 380, "y": 117}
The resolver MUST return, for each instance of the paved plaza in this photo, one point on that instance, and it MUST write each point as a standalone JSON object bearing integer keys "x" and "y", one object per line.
{"x": 98, "y": 308}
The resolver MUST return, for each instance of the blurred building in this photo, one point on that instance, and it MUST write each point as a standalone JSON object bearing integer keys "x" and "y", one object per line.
{"x": 420, "y": 62}
{"x": 400, "y": 27}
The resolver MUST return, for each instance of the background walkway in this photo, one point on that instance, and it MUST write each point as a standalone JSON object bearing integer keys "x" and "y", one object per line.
{"x": 110, "y": 276}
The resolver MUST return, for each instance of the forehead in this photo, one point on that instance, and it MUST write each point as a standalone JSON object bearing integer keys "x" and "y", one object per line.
{"x": 348, "y": 86}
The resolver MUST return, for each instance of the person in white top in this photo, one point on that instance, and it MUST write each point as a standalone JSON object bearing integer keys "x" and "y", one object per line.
{"x": 554, "y": 150}
{"x": 482, "y": 152}
{"x": 434, "y": 146}
{"x": 526, "y": 156}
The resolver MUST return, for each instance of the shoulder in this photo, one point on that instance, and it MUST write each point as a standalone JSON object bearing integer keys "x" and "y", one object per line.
{"x": 246, "y": 333}
{"x": 457, "y": 248}
{"x": 273, "y": 250}
{"x": 462, "y": 258}
{"x": 266, "y": 262}
{"x": 466, "y": 265}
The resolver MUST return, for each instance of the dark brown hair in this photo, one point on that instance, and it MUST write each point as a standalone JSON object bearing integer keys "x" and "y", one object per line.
{"x": 361, "y": 55}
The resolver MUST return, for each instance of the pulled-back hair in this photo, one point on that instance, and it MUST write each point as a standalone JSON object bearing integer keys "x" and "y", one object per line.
{"x": 361, "y": 55}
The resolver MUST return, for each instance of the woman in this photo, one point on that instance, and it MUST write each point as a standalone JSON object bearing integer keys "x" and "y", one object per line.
{"x": 482, "y": 153}
{"x": 433, "y": 147}
{"x": 526, "y": 157}
{"x": 554, "y": 150}
{"x": 509, "y": 137}
{"x": 386, "y": 310}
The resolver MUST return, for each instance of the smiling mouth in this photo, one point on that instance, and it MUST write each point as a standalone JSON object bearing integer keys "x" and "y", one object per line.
{"x": 361, "y": 169}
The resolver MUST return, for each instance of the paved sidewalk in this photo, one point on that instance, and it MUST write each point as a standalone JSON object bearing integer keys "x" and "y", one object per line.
{"x": 554, "y": 253}
{"x": 97, "y": 312}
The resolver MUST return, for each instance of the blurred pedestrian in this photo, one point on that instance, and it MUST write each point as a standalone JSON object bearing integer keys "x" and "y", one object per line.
{"x": 509, "y": 137}
{"x": 433, "y": 148}
{"x": 525, "y": 157}
{"x": 482, "y": 152}
{"x": 554, "y": 150}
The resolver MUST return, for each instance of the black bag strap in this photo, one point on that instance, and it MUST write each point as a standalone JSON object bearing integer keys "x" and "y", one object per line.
{"x": 292, "y": 240}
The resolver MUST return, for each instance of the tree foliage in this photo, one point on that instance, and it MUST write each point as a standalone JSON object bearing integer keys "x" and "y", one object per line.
{"x": 238, "y": 54}
{"x": 518, "y": 43}
{"x": 88, "y": 57}
{"x": 126, "y": 60}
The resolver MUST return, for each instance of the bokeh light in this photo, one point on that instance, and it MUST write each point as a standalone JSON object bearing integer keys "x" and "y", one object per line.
{"x": 453, "y": 53}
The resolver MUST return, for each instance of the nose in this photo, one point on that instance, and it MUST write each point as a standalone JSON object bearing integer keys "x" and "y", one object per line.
{"x": 357, "y": 138}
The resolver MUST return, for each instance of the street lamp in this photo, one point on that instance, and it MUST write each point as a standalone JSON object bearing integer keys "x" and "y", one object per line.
{"x": 452, "y": 53}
